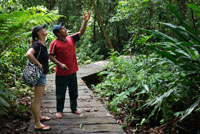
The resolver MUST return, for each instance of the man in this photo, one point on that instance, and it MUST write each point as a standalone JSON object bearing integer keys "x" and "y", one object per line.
{"x": 62, "y": 53}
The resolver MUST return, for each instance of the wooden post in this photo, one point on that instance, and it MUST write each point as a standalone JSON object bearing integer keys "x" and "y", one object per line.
{"x": 102, "y": 26}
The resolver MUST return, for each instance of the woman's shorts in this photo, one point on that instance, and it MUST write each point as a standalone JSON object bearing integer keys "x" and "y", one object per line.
{"x": 42, "y": 80}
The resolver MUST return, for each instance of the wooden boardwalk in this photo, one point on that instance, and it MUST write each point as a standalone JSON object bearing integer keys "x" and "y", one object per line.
{"x": 95, "y": 118}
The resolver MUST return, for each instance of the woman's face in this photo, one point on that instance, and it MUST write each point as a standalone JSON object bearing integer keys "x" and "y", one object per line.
{"x": 42, "y": 32}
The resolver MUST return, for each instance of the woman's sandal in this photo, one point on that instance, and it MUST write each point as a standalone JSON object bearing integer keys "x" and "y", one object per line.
{"x": 43, "y": 128}
{"x": 44, "y": 118}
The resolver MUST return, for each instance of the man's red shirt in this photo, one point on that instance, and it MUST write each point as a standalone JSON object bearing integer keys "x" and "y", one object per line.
{"x": 65, "y": 52}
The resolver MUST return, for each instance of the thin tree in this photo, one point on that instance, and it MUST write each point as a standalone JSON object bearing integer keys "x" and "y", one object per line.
{"x": 102, "y": 26}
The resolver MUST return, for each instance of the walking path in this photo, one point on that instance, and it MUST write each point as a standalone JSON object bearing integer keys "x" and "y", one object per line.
{"x": 95, "y": 118}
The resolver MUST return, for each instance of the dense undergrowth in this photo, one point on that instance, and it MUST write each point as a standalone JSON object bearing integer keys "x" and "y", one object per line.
{"x": 160, "y": 91}
{"x": 17, "y": 117}
{"x": 147, "y": 91}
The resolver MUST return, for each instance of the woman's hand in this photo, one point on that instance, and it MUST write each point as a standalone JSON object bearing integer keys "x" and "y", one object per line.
{"x": 40, "y": 66}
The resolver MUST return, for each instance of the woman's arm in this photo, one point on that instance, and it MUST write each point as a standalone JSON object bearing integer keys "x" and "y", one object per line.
{"x": 30, "y": 55}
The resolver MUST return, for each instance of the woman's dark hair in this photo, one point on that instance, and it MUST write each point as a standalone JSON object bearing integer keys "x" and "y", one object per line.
{"x": 34, "y": 33}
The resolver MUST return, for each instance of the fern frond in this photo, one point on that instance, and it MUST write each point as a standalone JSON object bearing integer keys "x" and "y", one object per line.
{"x": 14, "y": 26}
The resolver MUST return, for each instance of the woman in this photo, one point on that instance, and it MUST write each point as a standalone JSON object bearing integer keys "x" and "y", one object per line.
{"x": 38, "y": 47}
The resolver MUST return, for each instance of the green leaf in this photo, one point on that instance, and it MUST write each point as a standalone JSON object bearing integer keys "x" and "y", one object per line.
{"x": 195, "y": 8}
{"x": 166, "y": 54}
{"x": 181, "y": 20}
{"x": 160, "y": 99}
{"x": 160, "y": 35}
{"x": 142, "y": 121}
{"x": 181, "y": 30}
{"x": 191, "y": 108}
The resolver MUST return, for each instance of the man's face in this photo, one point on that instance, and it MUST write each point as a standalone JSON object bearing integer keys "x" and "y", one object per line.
{"x": 62, "y": 32}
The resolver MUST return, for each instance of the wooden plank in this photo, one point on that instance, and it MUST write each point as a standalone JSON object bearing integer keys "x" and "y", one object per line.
{"x": 80, "y": 90}
{"x": 53, "y": 97}
{"x": 81, "y": 103}
{"x": 86, "y": 111}
{"x": 79, "y": 121}
{"x": 68, "y": 115}
{"x": 53, "y": 88}
{"x": 79, "y": 93}
{"x": 87, "y": 101}
{"x": 74, "y": 132}
{"x": 66, "y": 128}
{"x": 83, "y": 109}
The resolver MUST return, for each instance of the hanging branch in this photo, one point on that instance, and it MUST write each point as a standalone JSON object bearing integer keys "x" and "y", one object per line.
{"x": 102, "y": 26}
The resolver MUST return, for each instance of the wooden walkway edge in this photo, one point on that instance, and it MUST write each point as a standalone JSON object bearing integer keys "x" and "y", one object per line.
{"x": 95, "y": 118}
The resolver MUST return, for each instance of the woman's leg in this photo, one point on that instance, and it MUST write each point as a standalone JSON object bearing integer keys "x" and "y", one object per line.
{"x": 36, "y": 105}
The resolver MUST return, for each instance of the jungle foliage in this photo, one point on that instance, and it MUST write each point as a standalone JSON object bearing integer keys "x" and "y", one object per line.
{"x": 156, "y": 88}
{"x": 157, "y": 85}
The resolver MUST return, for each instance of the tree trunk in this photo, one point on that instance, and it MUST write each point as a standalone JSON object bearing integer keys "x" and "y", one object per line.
{"x": 94, "y": 28}
{"x": 193, "y": 18}
{"x": 102, "y": 26}
{"x": 183, "y": 8}
{"x": 51, "y": 4}
{"x": 150, "y": 3}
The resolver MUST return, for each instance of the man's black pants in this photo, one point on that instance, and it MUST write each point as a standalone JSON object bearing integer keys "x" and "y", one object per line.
{"x": 62, "y": 82}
